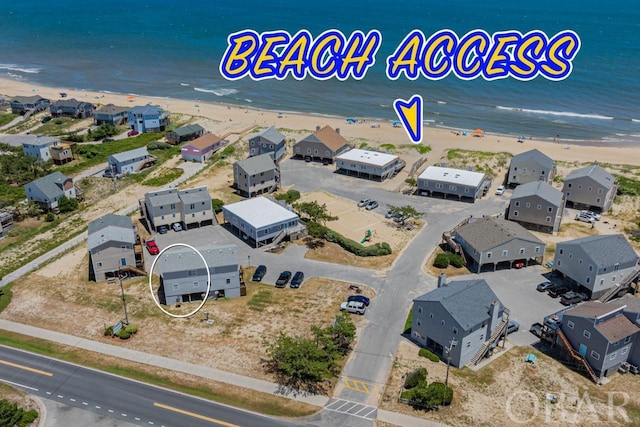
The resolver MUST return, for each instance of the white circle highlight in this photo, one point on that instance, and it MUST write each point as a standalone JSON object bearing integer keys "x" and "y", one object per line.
{"x": 179, "y": 316}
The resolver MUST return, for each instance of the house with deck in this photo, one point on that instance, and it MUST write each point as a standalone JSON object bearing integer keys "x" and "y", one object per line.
{"x": 537, "y": 205}
{"x": 597, "y": 265}
{"x": 37, "y": 146}
{"x": 464, "y": 316}
{"x": 368, "y": 164}
{"x": 61, "y": 153}
{"x": 256, "y": 175}
{"x": 444, "y": 182}
{"x": 71, "y": 108}
{"x": 530, "y": 166}
{"x": 148, "y": 118}
{"x": 184, "y": 277}
{"x": 111, "y": 241}
{"x": 28, "y": 104}
{"x": 323, "y": 145}
{"x": 131, "y": 161}
{"x": 110, "y": 114}
{"x": 268, "y": 140}
{"x": 48, "y": 190}
{"x": 493, "y": 243}
{"x": 184, "y": 134}
{"x": 200, "y": 149}
{"x": 590, "y": 187}
{"x": 190, "y": 207}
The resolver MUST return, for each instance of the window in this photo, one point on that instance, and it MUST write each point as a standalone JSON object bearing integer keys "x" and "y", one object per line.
{"x": 516, "y": 204}
{"x": 579, "y": 186}
{"x": 595, "y": 355}
{"x": 599, "y": 190}
{"x": 588, "y": 280}
{"x": 419, "y": 310}
{"x": 548, "y": 219}
{"x": 613, "y": 279}
{"x": 561, "y": 251}
{"x": 228, "y": 281}
{"x": 616, "y": 267}
{"x": 195, "y": 284}
{"x": 570, "y": 256}
{"x": 624, "y": 350}
{"x": 176, "y": 286}
{"x": 430, "y": 315}
{"x": 528, "y": 205}
{"x": 590, "y": 188}
{"x": 569, "y": 185}
{"x": 455, "y": 331}
{"x": 521, "y": 251}
{"x": 468, "y": 344}
{"x": 550, "y": 209}
{"x": 453, "y": 187}
{"x": 580, "y": 262}
{"x": 537, "y": 250}
{"x": 570, "y": 324}
{"x": 488, "y": 255}
{"x": 505, "y": 252}
{"x": 515, "y": 213}
{"x": 99, "y": 264}
{"x": 586, "y": 334}
{"x": 539, "y": 206}
{"x": 173, "y": 205}
{"x": 442, "y": 322}
{"x": 602, "y": 281}
{"x": 627, "y": 340}
{"x": 419, "y": 323}
{"x": 559, "y": 262}
{"x": 515, "y": 168}
{"x": 590, "y": 267}
{"x": 613, "y": 355}
{"x": 598, "y": 200}
{"x": 192, "y": 273}
{"x": 192, "y": 206}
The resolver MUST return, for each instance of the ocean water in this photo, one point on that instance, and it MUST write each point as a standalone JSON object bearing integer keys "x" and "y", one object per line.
{"x": 173, "y": 49}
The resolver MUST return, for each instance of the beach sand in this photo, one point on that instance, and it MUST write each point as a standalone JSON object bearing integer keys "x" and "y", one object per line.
{"x": 223, "y": 118}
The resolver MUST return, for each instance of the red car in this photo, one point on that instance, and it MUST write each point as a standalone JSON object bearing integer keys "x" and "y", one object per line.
{"x": 153, "y": 247}
{"x": 518, "y": 264}
{"x": 132, "y": 133}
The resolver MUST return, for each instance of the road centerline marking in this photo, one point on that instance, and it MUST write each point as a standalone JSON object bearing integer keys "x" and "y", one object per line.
{"x": 25, "y": 368}
{"x": 194, "y": 415}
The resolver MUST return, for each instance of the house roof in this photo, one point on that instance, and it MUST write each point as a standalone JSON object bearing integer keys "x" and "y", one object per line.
{"x": 488, "y": 232}
{"x": 541, "y": 189}
{"x": 467, "y": 301}
{"x": 188, "y": 130}
{"x": 111, "y": 110}
{"x": 115, "y": 228}
{"x": 533, "y": 155}
{"x": 18, "y": 140}
{"x": 260, "y": 212}
{"x": 27, "y": 99}
{"x": 184, "y": 259}
{"x": 594, "y": 172}
{"x": 271, "y": 134}
{"x": 204, "y": 141}
{"x": 163, "y": 197}
{"x": 257, "y": 164}
{"x": 366, "y": 156}
{"x": 457, "y": 176}
{"x": 604, "y": 249}
{"x": 72, "y": 103}
{"x": 131, "y": 154}
{"x": 145, "y": 110}
{"x": 195, "y": 195}
{"x": 617, "y": 328}
{"x": 327, "y": 136}
{"x": 51, "y": 185}
{"x": 632, "y": 303}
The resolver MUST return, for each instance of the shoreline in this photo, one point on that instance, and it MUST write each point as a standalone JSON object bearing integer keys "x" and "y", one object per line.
{"x": 220, "y": 118}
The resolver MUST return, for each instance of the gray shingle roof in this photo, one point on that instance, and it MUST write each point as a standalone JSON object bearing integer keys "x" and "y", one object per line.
{"x": 194, "y": 195}
{"x": 51, "y": 185}
{"x": 535, "y": 155}
{"x": 632, "y": 303}
{"x": 18, "y": 140}
{"x": 131, "y": 154}
{"x": 72, "y": 103}
{"x": 538, "y": 188}
{"x": 184, "y": 259}
{"x": 467, "y": 301}
{"x": 270, "y": 134}
{"x": 488, "y": 232}
{"x": 27, "y": 99}
{"x": 188, "y": 130}
{"x": 257, "y": 164}
{"x": 594, "y": 172}
{"x": 164, "y": 198}
{"x": 145, "y": 110}
{"x": 604, "y": 250}
{"x": 111, "y": 109}
{"x": 116, "y": 228}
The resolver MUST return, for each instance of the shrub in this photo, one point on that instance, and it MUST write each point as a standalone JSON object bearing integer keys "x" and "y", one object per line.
{"x": 67, "y": 205}
{"x": 441, "y": 261}
{"x": 217, "y": 205}
{"x": 108, "y": 331}
{"x": 456, "y": 260}
{"x": 228, "y": 151}
{"x": 321, "y": 232}
{"x": 158, "y": 145}
{"x": 131, "y": 329}
{"x": 123, "y": 334}
{"x": 50, "y": 217}
{"x": 415, "y": 377}
{"x": 290, "y": 196}
{"x": 426, "y": 353}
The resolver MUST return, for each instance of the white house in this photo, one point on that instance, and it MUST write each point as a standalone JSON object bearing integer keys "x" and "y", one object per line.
{"x": 368, "y": 164}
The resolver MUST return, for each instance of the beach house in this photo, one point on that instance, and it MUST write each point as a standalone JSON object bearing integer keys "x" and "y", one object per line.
{"x": 256, "y": 175}
{"x": 189, "y": 207}
{"x": 131, "y": 161}
{"x": 530, "y": 166}
{"x": 268, "y": 140}
{"x": 445, "y": 182}
{"x": 37, "y": 146}
{"x": 48, "y": 190}
{"x": 28, "y": 104}
{"x": 61, "y": 153}
{"x": 322, "y": 145}
{"x": 148, "y": 118}
{"x": 368, "y": 164}
{"x": 590, "y": 187}
{"x": 464, "y": 316}
{"x": 71, "y": 108}
{"x": 111, "y": 241}
{"x": 537, "y": 205}
{"x": 110, "y": 114}
{"x": 184, "y": 276}
{"x": 184, "y": 133}
{"x": 200, "y": 149}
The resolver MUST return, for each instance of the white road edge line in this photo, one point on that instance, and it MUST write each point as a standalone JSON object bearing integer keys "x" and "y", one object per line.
{"x": 19, "y": 385}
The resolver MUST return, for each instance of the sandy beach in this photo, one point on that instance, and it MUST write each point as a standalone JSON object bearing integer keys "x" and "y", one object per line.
{"x": 230, "y": 118}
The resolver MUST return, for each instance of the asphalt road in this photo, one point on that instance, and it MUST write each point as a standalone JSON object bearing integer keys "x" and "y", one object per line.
{"x": 117, "y": 397}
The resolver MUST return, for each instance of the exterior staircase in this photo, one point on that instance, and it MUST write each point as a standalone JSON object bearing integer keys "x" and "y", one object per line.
{"x": 484, "y": 348}
{"x": 276, "y": 240}
{"x": 447, "y": 237}
{"x": 577, "y": 356}
{"x": 131, "y": 269}
{"x": 624, "y": 284}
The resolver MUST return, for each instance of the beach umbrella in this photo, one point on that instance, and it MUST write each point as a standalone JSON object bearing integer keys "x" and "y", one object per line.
{"x": 351, "y": 121}
{"x": 131, "y": 98}
{"x": 197, "y": 105}
{"x": 396, "y": 123}
{"x": 478, "y": 132}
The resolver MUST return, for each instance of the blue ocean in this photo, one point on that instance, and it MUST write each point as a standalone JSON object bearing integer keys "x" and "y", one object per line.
{"x": 173, "y": 49}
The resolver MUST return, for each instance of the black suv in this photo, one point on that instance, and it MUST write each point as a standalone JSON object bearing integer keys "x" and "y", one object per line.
{"x": 297, "y": 280}
{"x": 283, "y": 279}
{"x": 555, "y": 292}
{"x": 259, "y": 273}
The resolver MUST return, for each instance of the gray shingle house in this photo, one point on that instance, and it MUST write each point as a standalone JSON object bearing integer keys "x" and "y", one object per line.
{"x": 131, "y": 161}
{"x": 256, "y": 175}
{"x": 197, "y": 209}
{"x": 447, "y": 182}
{"x": 269, "y": 140}
{"x": 71, "y": 108}
{"x": 596, "y": 263}
{"x": 27, "y": 104}
{"x": 184, "y": 133}
{"x": 467, "y": 312}
{"x": 111, "y": 240}
{"x": 322, "y": 145}
{"x": 537, "y": 205}
{"x": 183, "y": 275}
{"x": 498, "y": 242}
{"x": 48, "y": 190}
{"x": 189, "y": 207}
{"x": 37, "y": 146}
{"x": 590, "y": 187}
{"x": 110, "y": 114}
{"x": 530, "y": 166}
{"x": 602, "y": 334}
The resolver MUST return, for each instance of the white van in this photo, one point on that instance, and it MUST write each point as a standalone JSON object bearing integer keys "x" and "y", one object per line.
{"x": 354, "y": 307}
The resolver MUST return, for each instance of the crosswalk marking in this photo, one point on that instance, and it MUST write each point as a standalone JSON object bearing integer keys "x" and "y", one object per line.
{"x": 352, "y": 408}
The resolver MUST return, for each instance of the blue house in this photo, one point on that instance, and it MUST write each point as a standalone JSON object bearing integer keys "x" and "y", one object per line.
{"x": 269, "y": 140}
{"x": 148, "y": 118}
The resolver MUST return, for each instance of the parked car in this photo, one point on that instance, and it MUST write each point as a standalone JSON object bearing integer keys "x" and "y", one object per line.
{"x": 359, "y": 298}
{"x": 544, "y": 286}
{"x": 297, "y": 280}
{"x": 259, "y": 273}
{"x": 399, "y": 218}
{"x": 46, "y": 119}
{"x": 389, "y": 214}
{"x": 570, "y": 298}
{"x": 500, "y": 190}
{"x": 518, "y": 264}
{"x": 132, "y": 132}
{"x": 163, "y": 229}
{"x": 108, "y": 140}
{"x": 283, "y": 279}
{"x": 592, "y": 214}
{"x": 556, "y": 292}
{"x": 176, "y": 226}
{"x": 152, "y": 247}
{"x": 585, "y": 218}
{"x": 353, "y": 307}
{"x": 363, "y": 202}
{"x": 371, "y": 205}
{"x": 512, "y": 327}
{"x": 307, "y": 159}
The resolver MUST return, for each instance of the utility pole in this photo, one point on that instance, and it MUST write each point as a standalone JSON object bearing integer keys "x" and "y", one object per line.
{"x": 452, "y": 344}
{"x": 124, "y": 301}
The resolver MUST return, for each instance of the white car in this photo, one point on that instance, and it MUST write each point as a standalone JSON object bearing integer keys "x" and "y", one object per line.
{"x": 363, "y": 203}
{"x": 356, "y": 307}
{"x": 500, "y": 190}
{"x": 177, "y": 226}
{"x": 592, "y": 214}
{"x": 585, "y": 218}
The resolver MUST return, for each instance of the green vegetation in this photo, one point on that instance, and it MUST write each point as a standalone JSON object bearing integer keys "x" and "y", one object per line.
{"x": 12, "y": 415}
{"x": 217, "y": 205}
{"x": 415, "y": 377}
{"x": 314, "y": 212}
{"x": 228, "y": 151}
{"x": 289, "y": 197}
{"x": 388, "y": 146}
{"x": 260, "y": 300}
{"x": 423, "y": 395}
{"x": 5, "y": 298}
{"x": 166, "y": 177}
{"x": 320, "y": 231}
{"x": 628, "y": 186}
{"x": 105, "y": 130}
{"x": 363, "y": 145}
{"x": 406, "y": 212}
{"x": 423, "y": 352}
{"x": 49, "y": 217}
{"x": 18, "y": 169}
{"x": 6, "y": 118}
{"x": 422, "y": 149}
{"x": 445, "y": 259}
{"x": 441, "y": 261}
{"x": 304, "y": 363}
{"x": 408, "y": 322}
{"x": 66, "y": 204}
